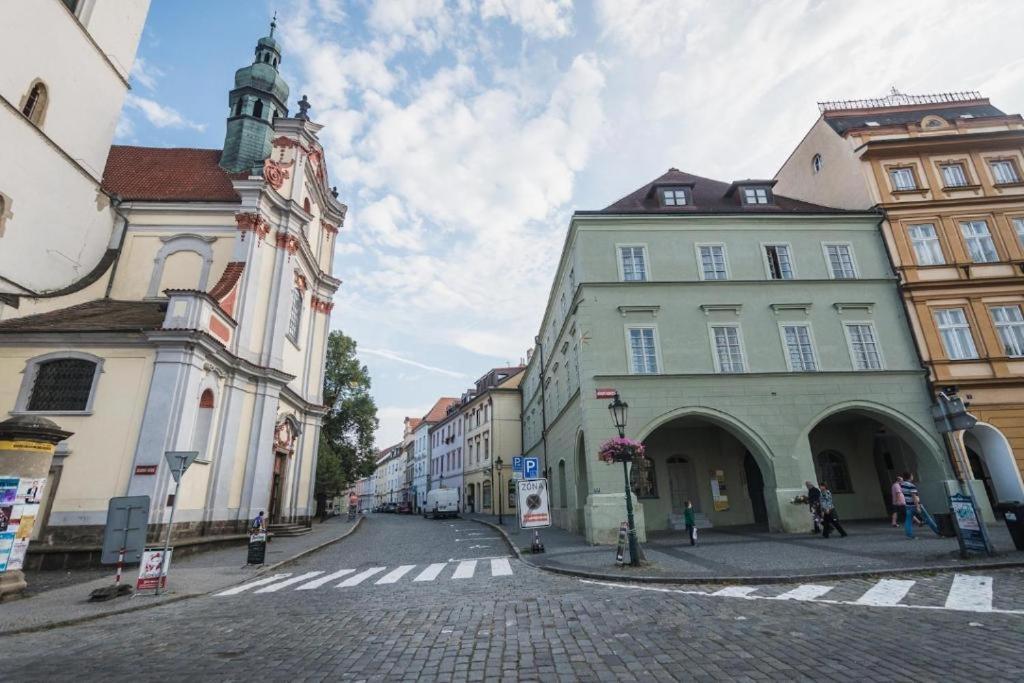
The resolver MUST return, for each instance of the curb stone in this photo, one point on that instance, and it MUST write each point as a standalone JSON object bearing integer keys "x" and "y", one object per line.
{"x": 178, "y": 598}
{"x": 748, "y": 580}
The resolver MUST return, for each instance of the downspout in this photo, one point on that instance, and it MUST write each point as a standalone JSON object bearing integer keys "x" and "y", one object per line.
{"x": 543, "y": 404}
{"x": 115, "y": 204}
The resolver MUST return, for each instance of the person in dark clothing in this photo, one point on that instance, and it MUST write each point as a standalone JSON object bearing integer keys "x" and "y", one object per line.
{"x": 828, "y": 513}
{"x": 691, "y": 523}
{"x": 814, "y": 503}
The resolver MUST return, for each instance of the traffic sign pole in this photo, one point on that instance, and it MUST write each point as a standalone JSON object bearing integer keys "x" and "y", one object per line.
{"x": 184, "y": 459}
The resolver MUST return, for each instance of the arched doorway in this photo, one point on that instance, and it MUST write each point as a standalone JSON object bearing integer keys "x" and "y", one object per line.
{"x": 859, "y": 449}
{"x": 992, "y": 461}
{"x": 581, "y": 485}
{"x": 710, "y": 459}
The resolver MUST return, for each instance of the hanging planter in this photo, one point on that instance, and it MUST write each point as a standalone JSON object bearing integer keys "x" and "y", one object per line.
{"x": 620, "y": 450}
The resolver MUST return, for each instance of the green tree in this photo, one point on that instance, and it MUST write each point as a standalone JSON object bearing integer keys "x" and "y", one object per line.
{"x": 346, "y": 439}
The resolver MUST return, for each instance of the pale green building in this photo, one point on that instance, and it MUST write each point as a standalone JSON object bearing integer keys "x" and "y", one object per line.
{"x": 759, "y": 341}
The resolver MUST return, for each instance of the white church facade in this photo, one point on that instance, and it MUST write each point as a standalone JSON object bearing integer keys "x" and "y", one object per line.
{"x": 206, "y": 332}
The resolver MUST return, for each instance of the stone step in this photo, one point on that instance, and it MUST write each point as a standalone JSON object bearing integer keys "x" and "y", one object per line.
{"x": 288, "y": 530}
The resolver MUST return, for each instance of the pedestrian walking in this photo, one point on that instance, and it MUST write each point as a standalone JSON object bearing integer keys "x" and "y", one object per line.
{"x": 899, "y": 502}
{"x": 829, "y": 518}
{"x": 691, "y": 527}
{"x": 915, "y": 507}
{"x": 814, "y": 503}
{"x": 258, "y": 523}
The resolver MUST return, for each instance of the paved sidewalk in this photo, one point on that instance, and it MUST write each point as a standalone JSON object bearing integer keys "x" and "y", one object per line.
{"x": 743, "y": 553}
{"x": 194, "y": 575}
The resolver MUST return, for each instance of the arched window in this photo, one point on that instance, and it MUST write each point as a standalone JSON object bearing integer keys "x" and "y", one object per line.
{"x": 5, "y": 211}
{"x": 192, "y": 272}
{"x": 238, "y": 106}
{"x": 563, "y": 496}
{"x": 307, "y": 205}
{"x": 295, "y": 316}
{"x": 59, "y": 382}
{"x": 816, "y": 163}
{"x": 642, "y": 478}
{"x": 34, "y": 104}
{"x": 204, "y": 421}
{"x": 257, "y": 109}
{"x": 830, "y": 467}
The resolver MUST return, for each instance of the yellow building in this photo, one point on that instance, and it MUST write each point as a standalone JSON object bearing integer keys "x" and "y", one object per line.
{"x": 492, "y": 428}
{"x": 206, "y": 332}
{"x": 948, "y": 171}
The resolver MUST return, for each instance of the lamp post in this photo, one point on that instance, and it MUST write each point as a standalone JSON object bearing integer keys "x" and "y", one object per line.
{"x": 498, "y": 463}
{"x": 619, "y": 410}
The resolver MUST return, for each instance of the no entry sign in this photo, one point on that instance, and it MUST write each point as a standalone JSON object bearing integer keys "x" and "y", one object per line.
{"x": 534, "y": 510}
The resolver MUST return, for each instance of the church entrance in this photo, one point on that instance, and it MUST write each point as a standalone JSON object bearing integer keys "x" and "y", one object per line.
{"x": 277, "y": 487}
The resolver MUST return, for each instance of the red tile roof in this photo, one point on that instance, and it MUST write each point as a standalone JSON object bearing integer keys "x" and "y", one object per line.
{"x": 101, "y": 315}
{"x": 232, "y": 272}
{"x": 168, "y": 174}
{"x": 440, "y": 410}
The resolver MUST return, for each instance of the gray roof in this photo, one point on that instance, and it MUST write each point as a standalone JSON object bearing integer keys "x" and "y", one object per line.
{"x": 101, "y": 315}
{"x": 898, "y": 116}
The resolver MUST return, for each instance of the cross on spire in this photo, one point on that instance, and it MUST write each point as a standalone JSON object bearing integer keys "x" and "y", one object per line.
{"x": 273, "y": 24}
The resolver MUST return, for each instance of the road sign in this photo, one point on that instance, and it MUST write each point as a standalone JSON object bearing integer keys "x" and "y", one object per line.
{"x": 531, "y": 467}
{"x": 517, "y": 463}
{"x": 951, "y": 415}
{"x": 966, "y": 519}
{"x": 534, "y": 508}
{"x": 605, "y": 393}
{"x": 127, "y": 522}
{"x": 179, "y": 462}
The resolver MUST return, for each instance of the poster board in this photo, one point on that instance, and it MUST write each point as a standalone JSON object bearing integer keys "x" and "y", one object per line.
{"x": 19, "y": 509}
{"x": 719, "y": 491}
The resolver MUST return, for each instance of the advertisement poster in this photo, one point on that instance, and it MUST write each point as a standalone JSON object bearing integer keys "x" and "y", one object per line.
{"x": 16, "y": 559}
{"x": 153, "y": 569}
{"x": 8, "y": 490}
{"x": 719, "y": 493}
{"x": 7, "y": 520}
{"x": 534, "y": 510}
{"x": 6, "y": 545}
{"x": 967, "y": 524}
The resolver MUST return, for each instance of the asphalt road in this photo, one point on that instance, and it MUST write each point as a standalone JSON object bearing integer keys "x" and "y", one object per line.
{"x": 411, "y": 599}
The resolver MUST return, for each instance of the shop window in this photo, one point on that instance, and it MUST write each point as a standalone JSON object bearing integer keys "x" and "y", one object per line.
{"x": 831, "y": 469}
{"x": 642, "y": 478}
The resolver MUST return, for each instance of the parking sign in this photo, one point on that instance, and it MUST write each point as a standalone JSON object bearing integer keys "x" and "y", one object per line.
{"x": 517, "y": 463}
{"x": 531, "y": 467}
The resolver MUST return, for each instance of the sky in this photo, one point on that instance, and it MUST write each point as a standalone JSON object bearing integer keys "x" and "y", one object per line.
{"x": 462, "y": 134}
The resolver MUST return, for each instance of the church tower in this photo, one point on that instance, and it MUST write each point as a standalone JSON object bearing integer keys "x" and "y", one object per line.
{"x": 260, "y": 95}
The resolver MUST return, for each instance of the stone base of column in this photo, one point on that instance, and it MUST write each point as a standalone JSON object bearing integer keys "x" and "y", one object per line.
{"x": 12, "y": 584}
{"x": 605, "y": 511}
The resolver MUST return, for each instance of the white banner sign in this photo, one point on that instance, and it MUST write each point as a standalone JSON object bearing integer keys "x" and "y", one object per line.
{"x": 534, "y": 508}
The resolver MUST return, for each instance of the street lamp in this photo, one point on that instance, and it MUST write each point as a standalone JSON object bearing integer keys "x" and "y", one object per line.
{"x": 499, "y": 463}
{"x": 619, "y": 410}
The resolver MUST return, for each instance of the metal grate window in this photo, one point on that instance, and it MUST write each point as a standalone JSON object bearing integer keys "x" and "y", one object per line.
{"x": 62, "y": 384}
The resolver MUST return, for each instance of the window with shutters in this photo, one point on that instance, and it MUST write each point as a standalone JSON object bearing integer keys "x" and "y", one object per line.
{"x": 59, "y": 384}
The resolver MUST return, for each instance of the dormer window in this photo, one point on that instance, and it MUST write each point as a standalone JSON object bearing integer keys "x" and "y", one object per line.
{"x": 675, "y": 196}
{"x": 757, "y": 195}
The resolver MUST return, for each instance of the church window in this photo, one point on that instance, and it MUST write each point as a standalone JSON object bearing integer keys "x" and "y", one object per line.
{"x": 307, "y": 205}
{"x": 295, "y": 316}
{"x": 257, "y": 109}
{"x": 204, "y": 421}
{"x": 238, "y": 107}
{"x": 61, "y": 383}
{"x": 34, "y": 104}
{"x": 5, "y": 211}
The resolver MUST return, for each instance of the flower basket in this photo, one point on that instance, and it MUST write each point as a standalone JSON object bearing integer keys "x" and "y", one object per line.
{"x": 620, "y": 450}
{"x": 799, "y": 500}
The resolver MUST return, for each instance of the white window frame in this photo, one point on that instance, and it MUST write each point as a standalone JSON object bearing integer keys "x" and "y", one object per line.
{"x": 28, "y": 380}
{"x": 294, "y": 338}
{"x": 965, "y": 325}
{"x": 755, "y": 190}
{"x": 783, "y": 324}
{"x": 894, "y": 172}
{"x": 714, "y": 348}
{"x": 629, "y": 349}
{"x": 974, "y": 236}
{"x": 915, "y": 241}
{"x": 700, "y": 261}
{"x": 849, "y": 344}
{"x": 647, "y": 261}
{"x": 767, "y": 263}
{"x": 828, "y": 261}
{"x": 963, "y": 174}
{"x": 1011, "y": 326}
{"x": 992, "y": 163}
{"x": 675, "y": 192}
{"x": 1018, "y": 228}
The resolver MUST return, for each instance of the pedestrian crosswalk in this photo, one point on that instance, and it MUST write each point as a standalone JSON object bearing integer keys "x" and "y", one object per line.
{"x": 961, "y": 592}
{"x": 348, "y": 578}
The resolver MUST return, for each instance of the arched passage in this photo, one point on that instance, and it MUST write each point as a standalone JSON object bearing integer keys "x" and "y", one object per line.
{"x": 711, "y": 459}
{"x": 581, "y": 484}
{"x": 859, "y": 448}
{"x": 992, "y": 461}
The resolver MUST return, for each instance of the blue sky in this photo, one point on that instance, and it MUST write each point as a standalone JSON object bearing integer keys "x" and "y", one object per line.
{"x": 462, "y": 134}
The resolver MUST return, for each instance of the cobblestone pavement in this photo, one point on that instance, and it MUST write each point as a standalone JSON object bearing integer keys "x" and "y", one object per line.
{"x": 487, "y": 624}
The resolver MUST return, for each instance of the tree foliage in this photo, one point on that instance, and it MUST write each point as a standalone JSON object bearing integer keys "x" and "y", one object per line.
{"x": 346, "y": 439}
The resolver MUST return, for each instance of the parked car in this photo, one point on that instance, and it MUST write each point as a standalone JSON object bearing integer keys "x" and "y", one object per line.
{"x": 442, "y": 503}
{"x": 390, "y": 507}
{"x": 404, "y": 508}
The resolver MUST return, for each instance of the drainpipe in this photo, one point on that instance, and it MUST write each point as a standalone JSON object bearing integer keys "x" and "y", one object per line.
{"x": 115, "y": 203}
{"x": 543, "y": 403}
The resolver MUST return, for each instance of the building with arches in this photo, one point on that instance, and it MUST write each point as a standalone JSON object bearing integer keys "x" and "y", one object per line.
{"x": 206, "y": 332}
{"x": 65, "y": 78}
{"x": 948, "y": 171}
{"x": 759, "y": 342}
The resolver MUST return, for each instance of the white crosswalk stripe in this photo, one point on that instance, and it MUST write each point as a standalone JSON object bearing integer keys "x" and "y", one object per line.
{"x": 431, "y": 572}
{"x": 970, "y": 593}
{"x": 395, "y": 574}
{"x": 807, "y": 591}
{"x": 464, "y": 569}
{"x": 886, "y": 593}
{"x": 274, "y": 587}
{"x": 360, "y": 577}
{"x": 735, "y": 591}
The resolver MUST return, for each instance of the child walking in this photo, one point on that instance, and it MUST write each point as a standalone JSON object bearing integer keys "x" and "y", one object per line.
{"x": 688, "y": 517}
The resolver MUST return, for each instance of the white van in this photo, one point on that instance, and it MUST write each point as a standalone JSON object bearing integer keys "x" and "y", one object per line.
{"x": 442, "y": 503}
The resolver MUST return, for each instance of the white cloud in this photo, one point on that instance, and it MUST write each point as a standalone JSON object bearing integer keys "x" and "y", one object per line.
{"x": 398, "y": 358}
{"x": 125, "y": 130}
{"x": 145, "y": 74}
{"x": 542, "y": 18}
{"x": 392, "y": 425}
{"x": 160, "y": 115}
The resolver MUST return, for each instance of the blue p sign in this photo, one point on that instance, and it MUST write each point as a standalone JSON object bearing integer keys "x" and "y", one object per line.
{"x": 531, "y": 468}
{"x": 517, "y": 463}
